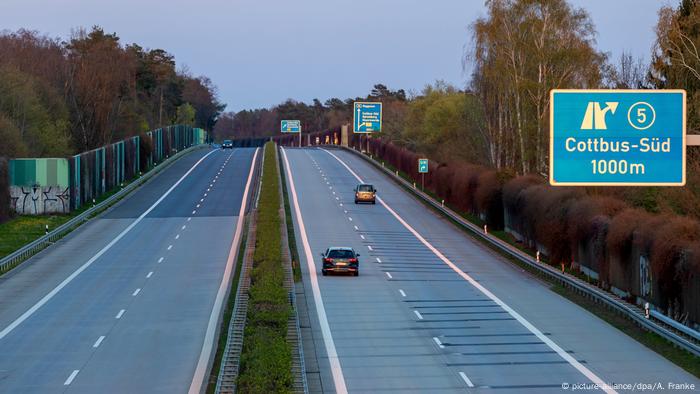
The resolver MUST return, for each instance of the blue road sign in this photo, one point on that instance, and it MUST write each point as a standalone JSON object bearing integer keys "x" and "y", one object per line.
{"x": 290, "y": 126}
{"x": 367, "y": 117}
{"x": 423, "y": 166}
{"x": 617, "y": 138}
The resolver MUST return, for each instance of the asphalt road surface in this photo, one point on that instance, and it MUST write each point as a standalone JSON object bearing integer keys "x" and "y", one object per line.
{"x": 435, "y": 311}
{"x": 128, "y": 302}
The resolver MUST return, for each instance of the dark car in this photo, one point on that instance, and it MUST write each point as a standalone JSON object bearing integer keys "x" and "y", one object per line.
{"x": 340, "y": 259}
{"x": 228, "y": 144}
{"x": 365, "y": 192}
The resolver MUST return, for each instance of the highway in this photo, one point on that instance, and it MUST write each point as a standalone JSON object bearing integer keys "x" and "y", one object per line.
{"x": 129, "y": 302}
{"x": 433, "y": 310}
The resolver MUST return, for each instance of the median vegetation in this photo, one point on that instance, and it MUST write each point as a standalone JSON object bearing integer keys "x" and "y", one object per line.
{"x": 266, "y": 360}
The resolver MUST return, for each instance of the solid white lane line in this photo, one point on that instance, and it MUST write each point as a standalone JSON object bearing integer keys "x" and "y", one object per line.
{"x": 170, "y": 247}
{"x": 160, "y": 260}
{"x": 389, "y": 275}
{"x": 71, "y": 377}
{"x": 362, "y": 236}
{"x": 437, "y": 340}
{"x": 552, "y": 345}
{"x": 136, "y": 292}
{"x": 337, "y": 371}
{"x": 466, "y": 379}
{"x": 379, "y": 260}
{"x": 97, "y": 255}
{"x": 177, "y": 236}
{"x": 119, "y": 315}
{"x": 99, "y": 341}
{"x": 403, "y": 293}
{"x": 149, "y": 275}
{"x": 201, "y": 372}
{"x": 418, "y": 314}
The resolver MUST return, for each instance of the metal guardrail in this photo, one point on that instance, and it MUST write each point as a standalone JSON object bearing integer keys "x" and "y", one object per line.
{"x": 231, "y": 359}
{"x": 630, "y": 311}
{"x": 25, "y": 252}
{"x": 293, "y": 329}
{"x": 676, "y": 325}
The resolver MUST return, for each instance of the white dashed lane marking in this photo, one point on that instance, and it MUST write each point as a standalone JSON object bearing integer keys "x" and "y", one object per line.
{"x": 71, "y": 377}
{"x": 99, "y": 341}
{"x": 119, "y": 315}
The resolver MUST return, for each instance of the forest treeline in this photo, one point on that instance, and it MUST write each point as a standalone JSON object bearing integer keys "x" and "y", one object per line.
{"x": 63, "y": 97}
{"x": 517, "y": 53}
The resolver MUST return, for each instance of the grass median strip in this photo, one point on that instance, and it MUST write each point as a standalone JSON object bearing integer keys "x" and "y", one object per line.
{"x": 266, "y": 360}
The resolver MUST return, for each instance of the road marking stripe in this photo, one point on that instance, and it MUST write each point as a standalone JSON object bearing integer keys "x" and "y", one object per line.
{"x": 149, "y": 275}
{"x": 119, "y": 315}
{"x": 437, "y": 340}
{"x": 362, "y": 236}
{"x": 136, "y": 292}
{"x": 71, "y": 377}
{"x": 552, "y": 345}
{"x": 97, "y": 255}
{"x": 188, "y": 219}
{"x": 418, "y": 314}
{"x": 337, "y": 372}
{"x": 170, "y": 247}
{"x": 177, "y": 236}
{"x": 160, "y": 260}
{"x": 389, "y": 275}
{"x": 357, "y": 228}
{"x": 349, "y": 218}
{"x": 183, "y": 227}
{"x": 99, "y": 341}
{"x": 193, "y": 212}
{"x": 379, "y": 260}
{"x": 197, "y": 205}
{"x": 403, "y": 294}
{"x": 466, "y": 379}
{"x": 201, "y": 200}
{"x": 201, "y": 372}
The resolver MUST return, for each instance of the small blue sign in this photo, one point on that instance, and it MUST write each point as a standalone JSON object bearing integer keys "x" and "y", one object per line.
{"x": 367, "y": 117}
{"x": 290, "y": 126}
{"x": 423, "y": 166}
{"x": 617, "y": 138}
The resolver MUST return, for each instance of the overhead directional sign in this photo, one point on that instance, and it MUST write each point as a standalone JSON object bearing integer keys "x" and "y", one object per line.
{"x": 423, "y": 166}
{"x": 367, "y": 117}
{"x": 291, "y": 126}
{"x": 617, "y": 138}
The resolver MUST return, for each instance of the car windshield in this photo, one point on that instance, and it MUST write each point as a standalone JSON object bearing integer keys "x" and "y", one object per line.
{"x": 227, "y": 141}
{"x": 364, "y": 188}
{"x": 341, "y": 254}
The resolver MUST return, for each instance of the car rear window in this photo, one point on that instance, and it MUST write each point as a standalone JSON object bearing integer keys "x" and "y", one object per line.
{"x": 340, "y": 254}
{"x": 365, "y": 188}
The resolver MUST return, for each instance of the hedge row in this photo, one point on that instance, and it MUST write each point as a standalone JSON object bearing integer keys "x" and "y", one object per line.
{"x": 639, "y": 255}
{"x": 266, "y": 360}
{"x": 4, "y": 191}
{"x": 598, "y": 234}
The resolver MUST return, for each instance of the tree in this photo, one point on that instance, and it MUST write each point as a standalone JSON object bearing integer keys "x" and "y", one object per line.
{"x": 185, "y": 114}
{"x": 522, "y": 50}
{"x": 676, "y": 56}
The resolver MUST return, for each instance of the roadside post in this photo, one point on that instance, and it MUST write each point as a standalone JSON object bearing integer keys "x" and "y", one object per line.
{"x": 291, "y": 126}
{"x": 618, "y": 138}
{"x": 422, "y": 169}
{"x": 367, "y": 118}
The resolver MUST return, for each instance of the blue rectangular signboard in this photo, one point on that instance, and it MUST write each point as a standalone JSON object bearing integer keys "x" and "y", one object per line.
{"x": 423, "y": 166}
{"x": 617, "y": 138}
{"x": 291, "y": 126}
{"x": 367, "y": 117}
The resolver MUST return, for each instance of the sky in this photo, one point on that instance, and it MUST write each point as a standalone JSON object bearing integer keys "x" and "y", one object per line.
{"x": 262, "y": 52}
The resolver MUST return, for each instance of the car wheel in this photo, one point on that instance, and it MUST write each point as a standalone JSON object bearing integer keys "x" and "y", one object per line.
{"x": 373, "y": 202}
{"x": 356, "y": 273}
{"x": 355, "y": 201}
